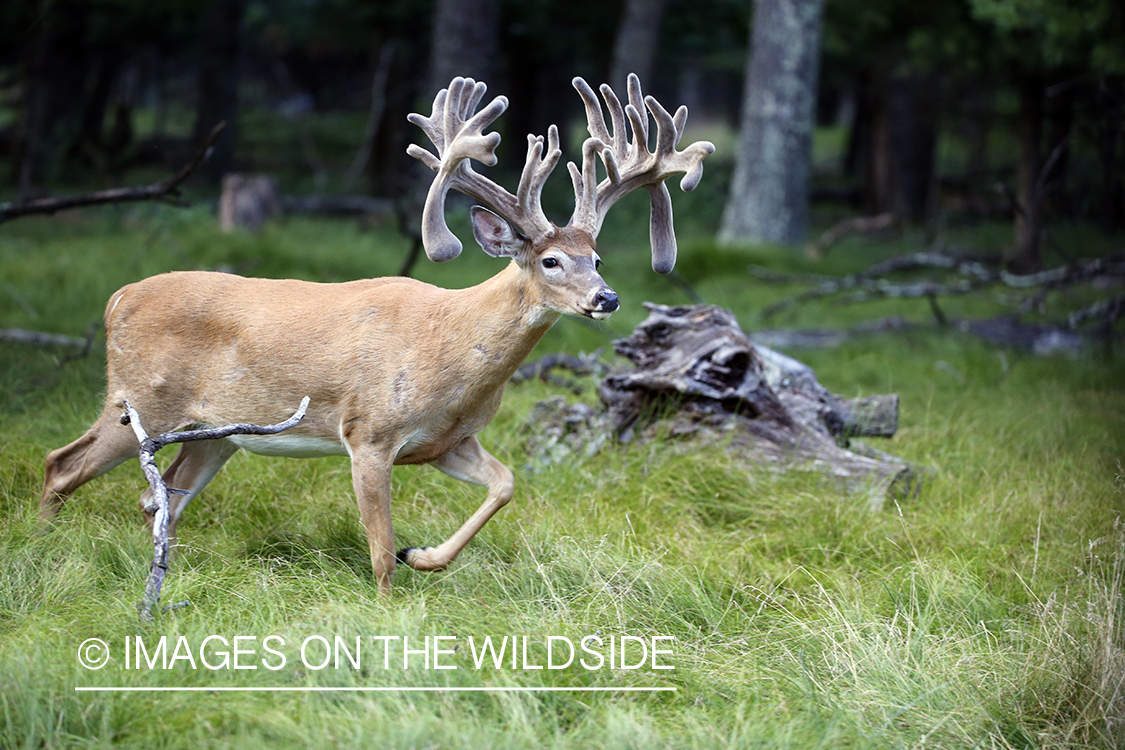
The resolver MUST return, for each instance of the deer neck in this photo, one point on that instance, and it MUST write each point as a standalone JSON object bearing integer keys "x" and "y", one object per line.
{"x": 506, "y": 321}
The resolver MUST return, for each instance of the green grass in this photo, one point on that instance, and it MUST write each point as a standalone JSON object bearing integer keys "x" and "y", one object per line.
{"x": 985, "y": 612}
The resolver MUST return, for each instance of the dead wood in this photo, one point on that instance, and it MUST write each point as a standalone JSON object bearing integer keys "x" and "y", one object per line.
{"x": 43, "y": 338}
{"x": 961, "y": 276}
{"x": 374, "y": 115}
{"x": 541, "y": 369}
{"x": 248, "y": 201}
{"x": 697, "y": 375}
{"x": 166, "y": 191}
{"x": 846, "y": 228}
{"x": 158, "y": 504}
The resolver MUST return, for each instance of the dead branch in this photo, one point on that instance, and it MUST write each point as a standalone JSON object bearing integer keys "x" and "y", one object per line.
{"x": 1109, "y": 311}
{"x": 374, "y": 115}
{"x": 846, "y": 228}
{"x": 871, "y": 283}
{"x": 158, "y": 505}
{"x": 41, "y": 338}
{"x": 166, "y": 191}
{"x": 582, "y": 365}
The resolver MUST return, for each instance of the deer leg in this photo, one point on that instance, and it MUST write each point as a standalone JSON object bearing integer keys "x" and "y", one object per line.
{"x": 191, "y": 470}
{"x": 105, "y": 445}
{"x": 371, "y": 477}
{"x": 469, "y": 462}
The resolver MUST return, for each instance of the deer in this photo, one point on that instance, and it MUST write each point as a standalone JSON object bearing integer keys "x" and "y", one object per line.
{"x": 397, "y": 371}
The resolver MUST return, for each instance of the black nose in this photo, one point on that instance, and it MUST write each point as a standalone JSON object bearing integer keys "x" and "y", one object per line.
{"x": 606, "y": 301}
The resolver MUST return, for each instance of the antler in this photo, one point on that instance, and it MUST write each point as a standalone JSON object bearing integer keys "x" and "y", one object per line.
{"x": 630, "y": 165}
{"x": 458, "y": 136}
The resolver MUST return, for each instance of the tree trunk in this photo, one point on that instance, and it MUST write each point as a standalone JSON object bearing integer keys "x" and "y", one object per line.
{"x": 1060, "y": 124}
{"x": 903, "y": 144}
{"x": 55, "y": 70}
{"x": 465, "y": 41}
{"x": 1029, "y": 211}
{"x": 768, "y": 199}
{"x": 218, "y": 83}
{"x": 634, "y": 49}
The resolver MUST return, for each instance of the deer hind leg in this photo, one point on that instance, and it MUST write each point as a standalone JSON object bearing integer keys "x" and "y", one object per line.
{"x": 191, "y": 470}
{"x": 469, "y": 462}
{"x": 105, "y": 445}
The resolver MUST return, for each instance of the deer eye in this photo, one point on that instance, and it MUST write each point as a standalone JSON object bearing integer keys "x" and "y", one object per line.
{"x": 598, "y": 264}
{"x": 550, "y": 263}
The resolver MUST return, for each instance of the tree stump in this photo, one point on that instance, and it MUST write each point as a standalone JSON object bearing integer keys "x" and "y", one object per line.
{"x": 248, "y": 201}
{"x": 697, "y": 375}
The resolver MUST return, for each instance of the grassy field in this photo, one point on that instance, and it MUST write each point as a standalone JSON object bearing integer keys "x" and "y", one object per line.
{"x": 985, "y": 612}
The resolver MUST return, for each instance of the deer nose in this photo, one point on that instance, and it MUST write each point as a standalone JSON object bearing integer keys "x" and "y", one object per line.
{"x": 606, "y": 301}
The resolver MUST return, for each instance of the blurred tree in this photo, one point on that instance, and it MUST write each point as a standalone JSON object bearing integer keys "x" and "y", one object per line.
{"x": 219, "y": 76}
{"x": 72, "y": 57}
{"x": 465, "y": 41}
{"x": 1047, "y": 46}
{"x": 895, "y": 59}
{"x": 769, "y": 198}
{"x": 54, "y": 73}
{"x": 634, "y": 49}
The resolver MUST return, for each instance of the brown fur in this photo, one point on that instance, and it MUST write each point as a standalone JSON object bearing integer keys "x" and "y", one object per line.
{"x": 397, "y": 372}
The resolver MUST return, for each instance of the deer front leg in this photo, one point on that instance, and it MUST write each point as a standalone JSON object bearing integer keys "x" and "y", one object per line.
{"x": 371, "y": 477}
{"x": 469, "y": 462}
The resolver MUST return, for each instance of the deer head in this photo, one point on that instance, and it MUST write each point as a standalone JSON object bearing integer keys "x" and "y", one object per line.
{"x": 456, "y": 129}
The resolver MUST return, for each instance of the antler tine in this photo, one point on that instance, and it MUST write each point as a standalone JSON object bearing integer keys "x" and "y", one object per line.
{"x": 630, "y": 165}
{"x": 617, "y": 114}
{"x": 636, "y": 101}
{"x": 529, "y": 195}
{"x": 458, "y": 135}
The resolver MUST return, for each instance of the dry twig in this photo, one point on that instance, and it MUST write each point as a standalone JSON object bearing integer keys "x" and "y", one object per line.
{"x": 158, "y": 506}
{"x": 166, "y": 191}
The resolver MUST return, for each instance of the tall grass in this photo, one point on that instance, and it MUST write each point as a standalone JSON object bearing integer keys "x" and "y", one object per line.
{"x": 984, "y": 612}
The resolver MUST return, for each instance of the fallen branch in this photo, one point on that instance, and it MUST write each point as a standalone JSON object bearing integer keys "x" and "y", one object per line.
{"x": 374, "y": 115}
{"x": 847, "y": 227}
{"x": 166, "y": 191}
{"x": 158, "y": 505}
{"x": 41, "y": 338}
{"x": 870, "y": 283}
{"x": 582, "y": 365}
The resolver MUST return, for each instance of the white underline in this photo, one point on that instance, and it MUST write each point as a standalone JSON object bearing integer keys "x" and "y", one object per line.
{"x": 375, "y": 689}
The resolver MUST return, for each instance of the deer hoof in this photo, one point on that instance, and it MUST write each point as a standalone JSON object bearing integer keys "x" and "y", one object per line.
{"x": 420, "y": 559}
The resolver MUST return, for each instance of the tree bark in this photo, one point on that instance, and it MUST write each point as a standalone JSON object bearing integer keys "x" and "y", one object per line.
{"x": 903, "y": 144}
{"x": 634, "y": 48}
{"x": 218, "y": 82}
{"x": 465, "y": 41}
{"x": 768, "y": 199}
{"x": 1029, "y": 210}
{"x": 54, "y": 75}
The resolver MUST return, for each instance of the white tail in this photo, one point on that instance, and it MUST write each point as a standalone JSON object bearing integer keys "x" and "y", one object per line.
{"x": 398, "y": 371}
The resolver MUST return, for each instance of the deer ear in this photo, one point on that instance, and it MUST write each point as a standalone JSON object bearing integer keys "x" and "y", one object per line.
{"x": 495, "y": 235}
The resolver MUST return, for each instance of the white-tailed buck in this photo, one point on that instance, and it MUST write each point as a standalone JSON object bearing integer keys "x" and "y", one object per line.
{"x": 398, "y": 371}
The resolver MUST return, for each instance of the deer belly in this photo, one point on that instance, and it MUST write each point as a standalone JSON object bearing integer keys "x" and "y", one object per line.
{"x": 292, "y": 446}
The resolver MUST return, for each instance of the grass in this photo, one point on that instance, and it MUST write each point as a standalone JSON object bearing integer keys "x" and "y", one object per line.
{"x": 985, "y": 612}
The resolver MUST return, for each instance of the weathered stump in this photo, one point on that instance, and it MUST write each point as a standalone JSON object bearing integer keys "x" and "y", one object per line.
{"x": 248, "y": 201}
{"x": 696, "y": 374}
